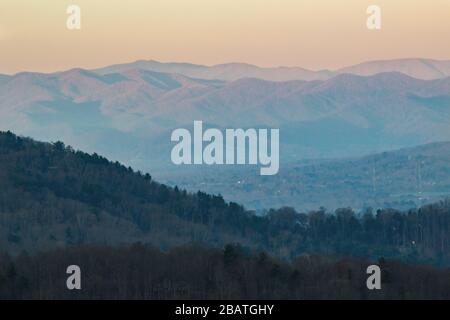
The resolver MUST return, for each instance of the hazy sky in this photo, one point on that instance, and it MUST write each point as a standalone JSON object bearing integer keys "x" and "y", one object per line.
{"x": 314, "y": 34}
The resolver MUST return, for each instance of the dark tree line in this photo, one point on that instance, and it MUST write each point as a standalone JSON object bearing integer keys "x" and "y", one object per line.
{"x": 192, "y": 272}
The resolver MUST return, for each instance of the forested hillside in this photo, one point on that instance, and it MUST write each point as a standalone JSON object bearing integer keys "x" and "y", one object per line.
{"x": 401, "y": 179}
{"x": 52, "y": 196}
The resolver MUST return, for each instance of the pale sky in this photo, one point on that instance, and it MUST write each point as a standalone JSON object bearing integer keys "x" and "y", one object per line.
{"x": 314, "y": 34}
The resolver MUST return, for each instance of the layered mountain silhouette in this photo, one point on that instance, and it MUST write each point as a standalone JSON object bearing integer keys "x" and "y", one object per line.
{"x": 347, "y": 115}
{"x": 127, "y": 112}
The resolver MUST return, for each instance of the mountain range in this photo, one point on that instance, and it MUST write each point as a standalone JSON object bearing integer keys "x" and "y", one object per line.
{"x": 347, "y": 115}
{"x": 426, "y": 69}
{"x": 127, "y": 112}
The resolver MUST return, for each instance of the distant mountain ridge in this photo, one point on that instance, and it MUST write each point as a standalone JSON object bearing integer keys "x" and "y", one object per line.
{"x": 227, "y": 72}
{"x": 425, "y": 69}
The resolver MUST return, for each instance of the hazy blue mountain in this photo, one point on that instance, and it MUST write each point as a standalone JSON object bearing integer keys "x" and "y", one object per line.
{"x": 114, "y": 114}
{"x": 426, "y": 69}
{"x": 129, "y": 115}
{"x": 228, "y": 71}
